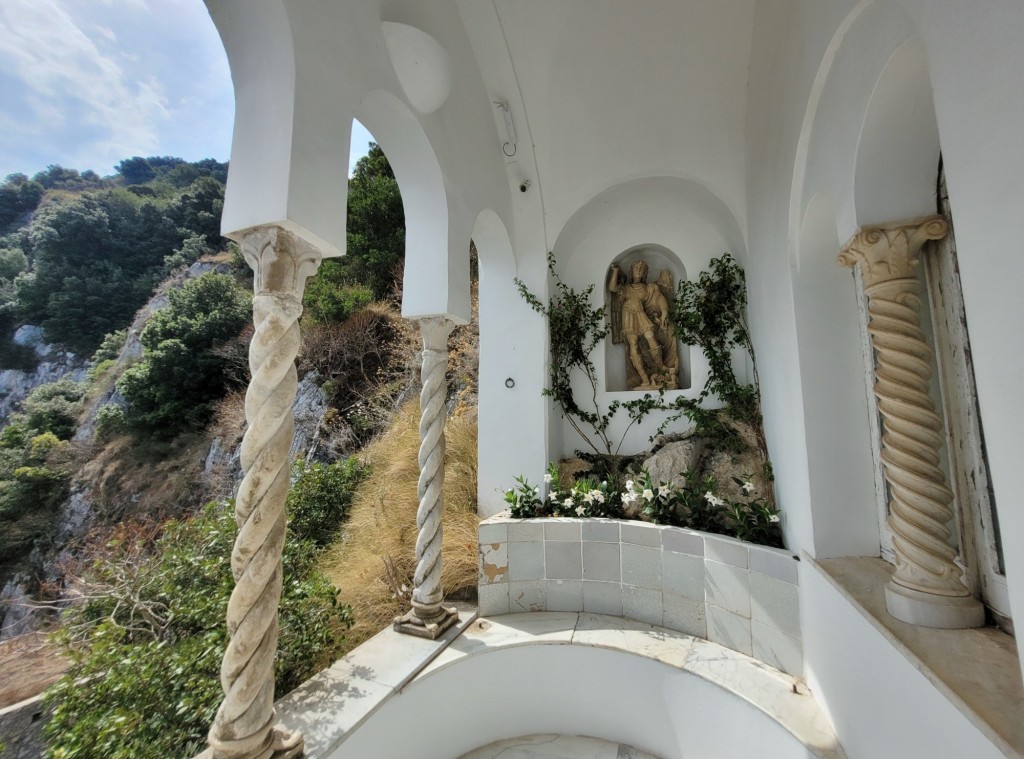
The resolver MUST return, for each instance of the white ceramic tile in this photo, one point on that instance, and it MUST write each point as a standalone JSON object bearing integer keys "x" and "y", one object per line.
{"x": 684, "y": 614}
{"x": 601, "y": 530}
{"x": 562, "y": 529}
{"x": 563, "y": 560}
{"x": 776, "y": 648}
{"x": 641, "y": 566}
{"x": 526, "y": 560}
{"x": 493, "y": 599}
{"x": 526, "y": 596}
{"x": 728, "y": 587}
{"x": 601, "y": 561}
{"x": 775, "y": 603}
{"x": 682, "y": 541}
{"x": 774, "y": 563}
{"x": 493, "y": 532}
{"x": 564, "y": 595}
{"x": 642, "y": 604}
{"x": 726, "y": 551}
{"x": 602, "y": 598}
{"x": 728, "y": 629}
{"x": 529, "y": 530}
{"x": 640, "y": 534}
{"x": 493, "y": 564}
{"x": 683, "y": 574}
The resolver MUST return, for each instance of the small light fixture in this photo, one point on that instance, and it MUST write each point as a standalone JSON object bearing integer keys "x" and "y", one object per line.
{"x": 509, "y": 147}
{"x": 510, "y": 383}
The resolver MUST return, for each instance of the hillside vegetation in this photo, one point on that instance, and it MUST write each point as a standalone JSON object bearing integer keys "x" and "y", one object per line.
{"x": 131, "y": 270}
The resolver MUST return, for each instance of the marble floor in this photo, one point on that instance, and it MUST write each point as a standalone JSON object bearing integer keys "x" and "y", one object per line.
{"x": 556, "y": 747}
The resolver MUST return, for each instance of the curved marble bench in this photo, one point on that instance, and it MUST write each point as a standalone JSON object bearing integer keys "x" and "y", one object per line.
{"x": 741, "y": 595}
{"x": 664, "y": 692}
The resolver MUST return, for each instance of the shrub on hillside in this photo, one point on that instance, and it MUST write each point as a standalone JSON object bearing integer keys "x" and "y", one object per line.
{"x": 149, "y": 634}
{"x": 54, "y": 407}
{"x": 181, "y": 375}
{"x": 321, "y": 497}
{"x": 33, "y": 483}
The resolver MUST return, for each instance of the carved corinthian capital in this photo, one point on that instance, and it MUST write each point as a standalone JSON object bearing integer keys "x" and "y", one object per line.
{"x": 926, "y": 586}
{"x": 244, "y": 725}
{"x": 891, "y": 251}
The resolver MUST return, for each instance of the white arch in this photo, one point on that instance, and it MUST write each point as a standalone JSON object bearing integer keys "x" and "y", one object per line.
{"x": 427, "y": 289}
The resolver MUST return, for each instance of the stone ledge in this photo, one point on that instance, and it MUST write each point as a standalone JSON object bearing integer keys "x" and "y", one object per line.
{"x": 976, "y": 669}
{"x": 740, "y": 595}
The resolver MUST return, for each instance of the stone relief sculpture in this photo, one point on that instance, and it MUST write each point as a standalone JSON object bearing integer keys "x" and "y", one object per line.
{"x": 640, "y": 318}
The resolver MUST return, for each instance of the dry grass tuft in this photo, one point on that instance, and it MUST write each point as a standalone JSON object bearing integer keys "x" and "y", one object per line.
{"x": 382, "y": 526}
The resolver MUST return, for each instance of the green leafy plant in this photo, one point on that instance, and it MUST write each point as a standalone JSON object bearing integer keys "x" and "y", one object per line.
{"x": 575, "y": 329}
{"x": 707, "y": 312}
{"x": 147, "y": 634}
{"x": 693, "y": 504}
{"x": 321, "y": 497}
{"x": 182, "y": 372}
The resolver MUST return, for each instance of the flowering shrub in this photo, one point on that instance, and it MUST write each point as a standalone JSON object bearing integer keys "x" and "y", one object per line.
{"x": 693, "y": 504}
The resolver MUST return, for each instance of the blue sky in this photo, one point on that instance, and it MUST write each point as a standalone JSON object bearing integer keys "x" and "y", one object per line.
{"x": 85, "y": 83}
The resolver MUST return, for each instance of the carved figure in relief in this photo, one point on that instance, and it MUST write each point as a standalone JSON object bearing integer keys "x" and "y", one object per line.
{"x": 640, "y": 318}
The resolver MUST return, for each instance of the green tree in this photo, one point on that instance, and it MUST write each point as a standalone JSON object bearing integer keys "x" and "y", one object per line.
{"x": 375, "y": 244}
{"x": 181, "y": 374}
{"x": 135, "y": 170}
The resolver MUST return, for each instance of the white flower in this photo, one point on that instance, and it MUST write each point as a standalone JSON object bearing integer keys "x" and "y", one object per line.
{"x": 713, "y": 499}
{"x": 663, "y": 490}
{"x": 568, "y": 501}
{"x": 598, "y": 496}
{"x": 580, "y": 510}
{"x": 547, "y": 478}
{"x": 748, "y": 487}
{"x": 629, "y": 485}
{"x": 629, "y": 497}
{"x": 648, "y": 494}
{"x": 773, "y": 518}
{"x": 589, "y": 497}
{"x": 552, "y": 495}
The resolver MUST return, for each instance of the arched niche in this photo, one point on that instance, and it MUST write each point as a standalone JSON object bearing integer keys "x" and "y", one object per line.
{"x": 680, "y": 216}
{"x": 662, "y": 265}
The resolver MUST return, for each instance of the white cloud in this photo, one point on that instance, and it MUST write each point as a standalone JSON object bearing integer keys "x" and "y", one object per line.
{"x": 72, "y": 75}
{"x": 87, "y": 84}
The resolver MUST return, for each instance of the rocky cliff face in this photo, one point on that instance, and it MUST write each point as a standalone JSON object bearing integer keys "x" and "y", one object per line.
{"x": 54, "y": 363}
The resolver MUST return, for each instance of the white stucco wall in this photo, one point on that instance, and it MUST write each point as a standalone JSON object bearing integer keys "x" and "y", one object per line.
{"x": 842, "y": 131}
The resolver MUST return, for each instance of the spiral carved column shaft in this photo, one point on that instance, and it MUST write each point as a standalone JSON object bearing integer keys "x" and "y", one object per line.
{"x": 926, "y": 587}
{"x": 428, "y": 618}
{"x": 244, "y": 725}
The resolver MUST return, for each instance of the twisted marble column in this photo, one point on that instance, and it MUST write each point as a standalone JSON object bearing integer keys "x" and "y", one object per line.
{"x": 927, "y": 587}
{"x": 244, "y": 725}
{"x": 428, "y": 618}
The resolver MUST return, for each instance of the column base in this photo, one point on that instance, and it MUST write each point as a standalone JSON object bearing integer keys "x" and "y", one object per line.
{"x": 931, "y": 610}
{"x": 410, "y": 624}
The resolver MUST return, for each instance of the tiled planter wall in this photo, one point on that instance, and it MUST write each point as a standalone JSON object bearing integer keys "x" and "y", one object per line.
{"x": 737, "y": 594}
